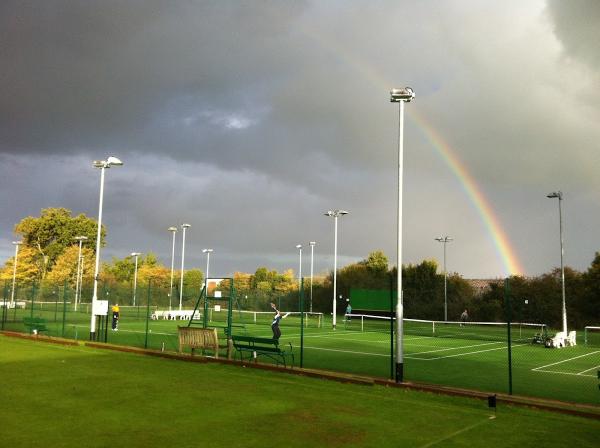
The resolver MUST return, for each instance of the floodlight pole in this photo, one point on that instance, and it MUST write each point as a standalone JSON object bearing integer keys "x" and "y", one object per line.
{"x": 335, "y": 214}
{"x": 135, "y": 255}
{"x": 312, "y": 255}
{"x": 183, "y": 227}
{"x": 299, "y": 247}
{"x": 559, "y": 195}
{"x": 14, "y": 280}
{"x": 400, "y": 96}
{"x": 103, "y": 165}
{"x": 173, "y": 230}
{"x": 207, "y": 252}
{"x": 445, "y": 239}
{"x": 81, "y": 239}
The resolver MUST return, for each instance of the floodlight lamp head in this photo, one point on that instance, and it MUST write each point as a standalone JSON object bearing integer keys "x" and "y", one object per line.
{"x": 113, "y": 161}
{"x": 185, "y": 226}
{"x": 555, "y": 194}
{"x": 298, "y": 246}
{"x": 172, "y": 229}
{"x": 17, "y": 243}
{"x": 313, "y": 243}
{"x": 99, "y": 164}
{"x": 205, "y": 251}
{"x": 136, "y": 254}
{"x": 81, "y": 238}
{"x": 342, "y": 212}
{"x": 405, "y": 94}
{"x": 328, "y": 213}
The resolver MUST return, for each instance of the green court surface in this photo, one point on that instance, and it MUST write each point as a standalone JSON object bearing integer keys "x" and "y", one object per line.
{"x": 469, "y": 357}
{"x": 65, "y": 396}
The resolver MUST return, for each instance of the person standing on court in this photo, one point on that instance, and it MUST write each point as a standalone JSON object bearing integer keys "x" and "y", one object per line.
{"x": 115, "y": 317}
{"x": 275, "y": 324}
{"x": 464, "y": 317}
{"x": 348, "y": 310}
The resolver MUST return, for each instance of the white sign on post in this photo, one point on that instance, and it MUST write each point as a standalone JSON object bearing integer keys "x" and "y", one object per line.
{"x": 100, "y": 308}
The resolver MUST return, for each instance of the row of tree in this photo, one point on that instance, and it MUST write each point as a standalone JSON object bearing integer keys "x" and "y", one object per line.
{"x": 49, "y": 254}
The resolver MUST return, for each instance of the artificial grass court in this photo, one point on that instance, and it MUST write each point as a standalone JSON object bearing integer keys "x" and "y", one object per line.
{"x": 468, "y": 361}
{"x": 54, "y": 395}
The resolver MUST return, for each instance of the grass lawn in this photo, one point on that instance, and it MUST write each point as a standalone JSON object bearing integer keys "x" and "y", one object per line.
{"x": 55, "y": 395}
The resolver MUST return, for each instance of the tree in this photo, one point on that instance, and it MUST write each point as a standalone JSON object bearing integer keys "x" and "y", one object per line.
{"x": 52, "y": 232}
{"x": 376, "y": 262}
{"x": 27, "y": 269}
{"x": 65, "y": 267}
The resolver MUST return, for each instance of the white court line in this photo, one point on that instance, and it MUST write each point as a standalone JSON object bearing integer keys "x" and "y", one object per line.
{"x": 462, "y": 354}
{"x": 455, "y": 348}
{"x": 562, "y": 373}
{"x": 588, "y": 370}
{"x": 566, "y": 360}
{"x": 347, "y": 351}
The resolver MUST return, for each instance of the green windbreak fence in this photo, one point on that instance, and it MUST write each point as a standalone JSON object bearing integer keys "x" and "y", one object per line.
{"x": 504, "y": 357}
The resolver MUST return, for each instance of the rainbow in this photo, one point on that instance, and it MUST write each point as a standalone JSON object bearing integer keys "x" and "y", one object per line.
{"x": 473, "y": 191}
{"x": 506, "y": 252}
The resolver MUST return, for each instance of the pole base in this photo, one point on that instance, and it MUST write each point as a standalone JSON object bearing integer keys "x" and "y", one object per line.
{"x": 399, "y": 372}
{"x": 92, "y": 335}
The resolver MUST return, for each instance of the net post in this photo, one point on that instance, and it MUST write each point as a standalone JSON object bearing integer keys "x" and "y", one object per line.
{"x": 148, "y": 312}
{"x": 302, "y": 322}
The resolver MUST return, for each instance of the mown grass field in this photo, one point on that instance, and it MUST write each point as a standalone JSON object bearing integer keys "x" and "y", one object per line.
{"x": 55, "y": 395}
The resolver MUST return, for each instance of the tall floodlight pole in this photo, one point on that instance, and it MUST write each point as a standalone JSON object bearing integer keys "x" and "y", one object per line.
{"x": 559, "y": 195}
{"x": 173, "y": 230}
{"x": 400, "y": 96}
{"x": 299, "y": 247}
{"x": 445, "y": 239}
{"x": 312, "y": 256}
{"x": 335, "y": 214}
{"x": 81, "y": 239}
{"x": 183, "y": 227}
{"x": 135, "y": 255}
{"x": 14, "y": 282}
{"x": 207, "y": 252}
{"x": 103, "y": 165}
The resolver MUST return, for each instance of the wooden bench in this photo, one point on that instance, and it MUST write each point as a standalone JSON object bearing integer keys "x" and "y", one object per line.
{"x": 201, "y": 338}
{"x": 35, "y": 324}
{"x": 262, "y": 346}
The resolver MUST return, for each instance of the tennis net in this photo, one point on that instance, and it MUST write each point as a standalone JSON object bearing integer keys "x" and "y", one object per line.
{"x": 311, "y": 320}
{"x": 495, "y": 331}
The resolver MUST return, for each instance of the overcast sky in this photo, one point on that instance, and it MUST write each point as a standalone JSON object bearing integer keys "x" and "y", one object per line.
{"x": 248, "y": 120}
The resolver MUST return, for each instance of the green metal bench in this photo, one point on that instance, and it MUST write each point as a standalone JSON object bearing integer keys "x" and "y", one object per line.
{"x": 262, "y": 346}
{"x": 35, "y": 325}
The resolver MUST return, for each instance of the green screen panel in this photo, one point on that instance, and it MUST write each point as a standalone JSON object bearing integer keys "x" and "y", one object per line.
{"x": 371, "y": 299}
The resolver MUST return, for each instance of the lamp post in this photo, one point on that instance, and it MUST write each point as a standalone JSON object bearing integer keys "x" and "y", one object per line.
{"x": 445, "y": 239}
{"x": 335, "y": 214}
{"x": 299, "y": 247}
{"x": 558, "y": 195}
{"x": 81, "y": 239}
{"x": 312, "y": 255}
{"x": 400, "y": 96}
{"x": 135, "y": 255}
{"x": 173, "y": 230}
{"x": 12, "y": 292}
{"x": 183, "y": 227}
{"x": 103, "y": 165}
{"x": 207, "y": 252}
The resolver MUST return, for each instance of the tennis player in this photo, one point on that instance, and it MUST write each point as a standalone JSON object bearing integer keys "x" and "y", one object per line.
{"x": 276, "y": 319}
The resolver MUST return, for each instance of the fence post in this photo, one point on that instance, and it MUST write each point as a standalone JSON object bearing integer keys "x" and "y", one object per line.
{"x": 32, "y": 297}
{"x": 147, "y": 313}
{"x": 392, "y": 308}
{"x": 4, "y": 310}
{"x": 508, "y": 325}
{"x": 64, "y": 308}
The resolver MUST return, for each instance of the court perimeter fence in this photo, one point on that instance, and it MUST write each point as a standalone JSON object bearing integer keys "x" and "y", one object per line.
{"x": 500, "y": 357}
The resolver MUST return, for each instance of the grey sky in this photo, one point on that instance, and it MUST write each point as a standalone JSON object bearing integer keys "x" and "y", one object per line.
{"x": 248, "y": 120}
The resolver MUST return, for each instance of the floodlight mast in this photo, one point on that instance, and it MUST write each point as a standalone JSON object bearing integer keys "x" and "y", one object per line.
{"x": 335, "y": 214}
{"x": 103, "y": 165}
{"x": 558, "y": 195}
{"x": 14, "y": 281}
{"x": 445, "y": 239}
{"x": 135, "y": 255}
{"x": 183, "y": 227}
{"x": 400, "y": 96}
{"x": 173, "y": 230}
{"x": 312, "y": 256}
{"x": 207, "y": 252}
{"x": 299, "y": 247}
{"x": 78, "y": 285}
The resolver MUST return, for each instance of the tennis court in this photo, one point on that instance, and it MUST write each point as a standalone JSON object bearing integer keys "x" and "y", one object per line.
{"x": 470, "y": 356}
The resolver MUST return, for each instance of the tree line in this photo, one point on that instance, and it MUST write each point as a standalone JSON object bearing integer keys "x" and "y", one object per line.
{"x": 49, "y": 254}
